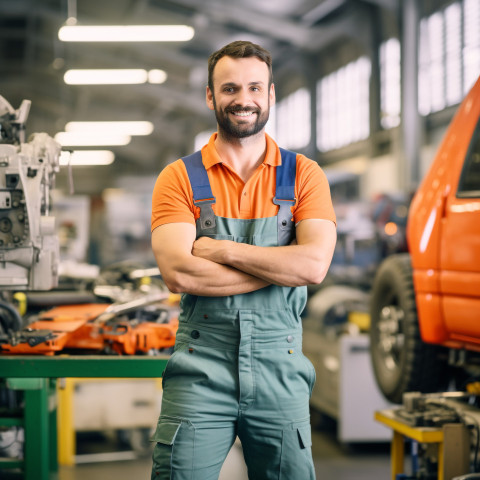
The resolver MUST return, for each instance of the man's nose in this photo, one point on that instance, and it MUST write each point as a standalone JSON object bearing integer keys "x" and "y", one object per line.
{"x": 243, "y": 97}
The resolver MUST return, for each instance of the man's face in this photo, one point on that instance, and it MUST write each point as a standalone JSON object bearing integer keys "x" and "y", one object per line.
{"x": 241, "y": 98}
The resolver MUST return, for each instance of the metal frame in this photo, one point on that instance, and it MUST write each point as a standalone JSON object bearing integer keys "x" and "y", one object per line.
{"x": 452, "y": 442}
{"x": 35, "y": 376}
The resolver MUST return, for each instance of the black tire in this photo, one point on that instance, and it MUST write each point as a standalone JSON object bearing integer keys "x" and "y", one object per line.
{"x": 402, "y": 362}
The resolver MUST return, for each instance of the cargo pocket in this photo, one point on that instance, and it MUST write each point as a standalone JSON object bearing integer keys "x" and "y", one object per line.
{"x": 296, "y": 461}
{"x": 174, "y": 449}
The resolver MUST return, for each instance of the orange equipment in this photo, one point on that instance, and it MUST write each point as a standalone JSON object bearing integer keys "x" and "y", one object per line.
{"x": 96, "y": 327}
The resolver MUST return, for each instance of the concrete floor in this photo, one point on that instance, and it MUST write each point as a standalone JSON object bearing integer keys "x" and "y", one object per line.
{"x": 332, "y": 461}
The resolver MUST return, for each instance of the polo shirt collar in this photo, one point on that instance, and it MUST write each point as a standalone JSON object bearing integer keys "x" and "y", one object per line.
{"x": 210, "y": 155}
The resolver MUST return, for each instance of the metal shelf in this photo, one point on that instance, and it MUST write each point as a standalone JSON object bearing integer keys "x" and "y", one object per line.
{"x": 32, "y": 374}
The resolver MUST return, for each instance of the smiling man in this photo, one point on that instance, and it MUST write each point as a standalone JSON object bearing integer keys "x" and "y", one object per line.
{"x": 239, "y": 228}
{"x": 261, "y": 91}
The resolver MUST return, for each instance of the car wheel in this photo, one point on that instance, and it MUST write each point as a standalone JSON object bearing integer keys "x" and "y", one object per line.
{"x": 402, "y": 362}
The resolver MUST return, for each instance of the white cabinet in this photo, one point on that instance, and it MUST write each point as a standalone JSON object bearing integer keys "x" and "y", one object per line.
{"x": 345, "y": 388}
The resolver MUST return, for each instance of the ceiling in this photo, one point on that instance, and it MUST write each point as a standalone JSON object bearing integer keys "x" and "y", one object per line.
{"x": 33, "y": 61}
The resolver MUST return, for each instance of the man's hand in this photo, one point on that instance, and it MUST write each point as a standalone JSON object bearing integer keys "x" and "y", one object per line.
{"x": 209, "y": 249}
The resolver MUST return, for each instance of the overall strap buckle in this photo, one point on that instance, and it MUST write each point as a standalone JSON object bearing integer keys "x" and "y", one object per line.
{"x": 285, "y": 196}
{"x": 207, "y": 217}
{"x": 202, "y": 192}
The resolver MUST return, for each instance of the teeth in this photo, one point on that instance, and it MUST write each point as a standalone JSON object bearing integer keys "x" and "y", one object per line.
{"x": 243, "y": 114}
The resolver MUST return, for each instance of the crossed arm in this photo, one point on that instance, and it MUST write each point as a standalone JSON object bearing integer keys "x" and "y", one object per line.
{"x": 210, "y": 267}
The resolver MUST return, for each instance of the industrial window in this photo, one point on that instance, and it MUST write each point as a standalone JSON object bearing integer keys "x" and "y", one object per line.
{"x": 469, "y": 186}
{"x": 390, "y": 83}
{"x": 449, "y": 62}
{"x": 471, "y": 43}
{"x": 293, "y": 120}
{"x": 343, "y": 114}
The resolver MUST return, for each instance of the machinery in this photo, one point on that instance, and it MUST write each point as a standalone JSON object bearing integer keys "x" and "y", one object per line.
{"x": 144, "y": 326}
{"x": 29, "y": 252}
{"x": 145, "y": 322}
{"x": 124, "y": 314}
{"x": 443, "y": 434}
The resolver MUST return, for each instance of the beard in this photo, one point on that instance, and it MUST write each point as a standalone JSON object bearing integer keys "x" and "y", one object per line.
{"x": 230, "y": 130}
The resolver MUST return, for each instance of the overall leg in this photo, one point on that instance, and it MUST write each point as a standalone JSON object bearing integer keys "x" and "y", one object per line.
{"x": 198, "y": 422}
{"x": 275, "y": 429}
{"x": 187, "y": 452}
{"x": 275, "y": 452}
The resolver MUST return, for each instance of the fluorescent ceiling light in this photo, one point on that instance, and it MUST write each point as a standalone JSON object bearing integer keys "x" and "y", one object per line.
{"x": 82, "y": 139}
{"x": 105, "y": 77}
{"x": 156, "y": 76}
{"x": 87, "y": 157}
{"x": 120, "y": 127}
{"x": 126, "y": 33}
{"x": 113, "y": 76}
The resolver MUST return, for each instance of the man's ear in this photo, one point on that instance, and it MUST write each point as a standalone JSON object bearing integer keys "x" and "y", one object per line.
{"x": 272, "y": 94}
{"x": 209, "y": 99}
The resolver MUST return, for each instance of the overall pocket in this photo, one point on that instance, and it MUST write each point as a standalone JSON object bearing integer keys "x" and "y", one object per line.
{"x": 296, "y": 460}
{"x": 174, "y": 449}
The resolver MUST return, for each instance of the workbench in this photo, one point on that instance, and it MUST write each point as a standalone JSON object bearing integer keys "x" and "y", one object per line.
{"x": 36, "y": 376}
{"x": 452, "y": 442}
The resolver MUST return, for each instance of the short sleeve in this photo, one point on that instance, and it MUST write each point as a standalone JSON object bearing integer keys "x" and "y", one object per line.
{"x": 172, "y": 200}
{"x": 312, "y": 192}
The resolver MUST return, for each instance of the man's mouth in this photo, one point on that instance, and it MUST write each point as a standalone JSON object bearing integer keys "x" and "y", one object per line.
{"x": 243, "y": 114}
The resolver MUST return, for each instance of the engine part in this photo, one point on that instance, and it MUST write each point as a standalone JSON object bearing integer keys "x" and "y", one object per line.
{"x": 29, "y": 249}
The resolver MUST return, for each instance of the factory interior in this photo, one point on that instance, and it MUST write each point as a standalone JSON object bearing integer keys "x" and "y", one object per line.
{"x": 384, "y": 95}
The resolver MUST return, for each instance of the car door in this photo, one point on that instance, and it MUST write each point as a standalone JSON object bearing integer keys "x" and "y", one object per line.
{"x": 460, "y": 250}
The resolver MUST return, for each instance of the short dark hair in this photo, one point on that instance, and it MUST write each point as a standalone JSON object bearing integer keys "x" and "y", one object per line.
{"x": 239, "y": 49}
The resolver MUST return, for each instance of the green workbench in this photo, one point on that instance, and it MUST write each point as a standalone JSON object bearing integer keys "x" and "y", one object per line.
{"x": 36, "y": 376}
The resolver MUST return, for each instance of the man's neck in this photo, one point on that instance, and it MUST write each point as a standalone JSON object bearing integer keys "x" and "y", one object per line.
{"x": 243, "y": 155}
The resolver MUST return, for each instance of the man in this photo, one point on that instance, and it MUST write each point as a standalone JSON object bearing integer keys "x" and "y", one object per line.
{"x": 240, "y": 230}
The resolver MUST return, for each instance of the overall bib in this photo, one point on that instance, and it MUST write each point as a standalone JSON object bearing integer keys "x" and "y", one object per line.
{"x": 238, "y": 368}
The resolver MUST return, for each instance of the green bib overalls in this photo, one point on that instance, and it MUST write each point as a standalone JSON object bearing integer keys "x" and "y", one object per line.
{"x": 238, "y": 369}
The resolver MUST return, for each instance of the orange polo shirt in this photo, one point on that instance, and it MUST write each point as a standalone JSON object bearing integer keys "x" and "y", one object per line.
{"x": 172, "y": 200}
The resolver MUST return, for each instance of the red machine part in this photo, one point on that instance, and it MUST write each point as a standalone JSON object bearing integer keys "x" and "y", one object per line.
{"x": 76, "y": 327}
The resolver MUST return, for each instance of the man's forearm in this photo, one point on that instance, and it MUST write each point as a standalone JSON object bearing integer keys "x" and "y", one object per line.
{"x": 198, "y": 276}
{"x": 301, "y": 264}
{"x": 184, "y": 273}
{"x": 213, "y": 279}
{"x": 287, "y": 266}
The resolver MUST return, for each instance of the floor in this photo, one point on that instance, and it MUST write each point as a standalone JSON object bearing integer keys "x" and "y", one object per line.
{"x": 332, "y": 461}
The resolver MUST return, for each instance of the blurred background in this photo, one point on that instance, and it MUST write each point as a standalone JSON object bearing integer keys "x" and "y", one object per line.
{"x": 366, "y": 88}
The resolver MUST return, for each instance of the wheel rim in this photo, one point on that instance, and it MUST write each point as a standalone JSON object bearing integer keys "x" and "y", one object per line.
{"x": 391, "y": 337}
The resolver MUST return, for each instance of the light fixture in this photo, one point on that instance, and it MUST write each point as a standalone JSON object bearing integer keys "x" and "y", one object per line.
{"x": 113, "y": 76}
{"x": 94, "y": 139}
{"x": 118, "y": 127}
{"x": 156, "y": 76}
{"x": 87, "y": 157}
{"x": 126, "y": 33}
{"x": 108, "y": 77}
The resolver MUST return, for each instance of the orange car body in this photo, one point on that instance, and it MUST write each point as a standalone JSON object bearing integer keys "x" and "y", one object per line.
{"x": 443, "y": 234}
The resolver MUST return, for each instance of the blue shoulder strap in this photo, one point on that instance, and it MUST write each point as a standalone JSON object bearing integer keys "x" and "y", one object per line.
{"x": 202, "y": 193}
{"x": 285, "y": 196}
{"x": 284, "y": 193}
